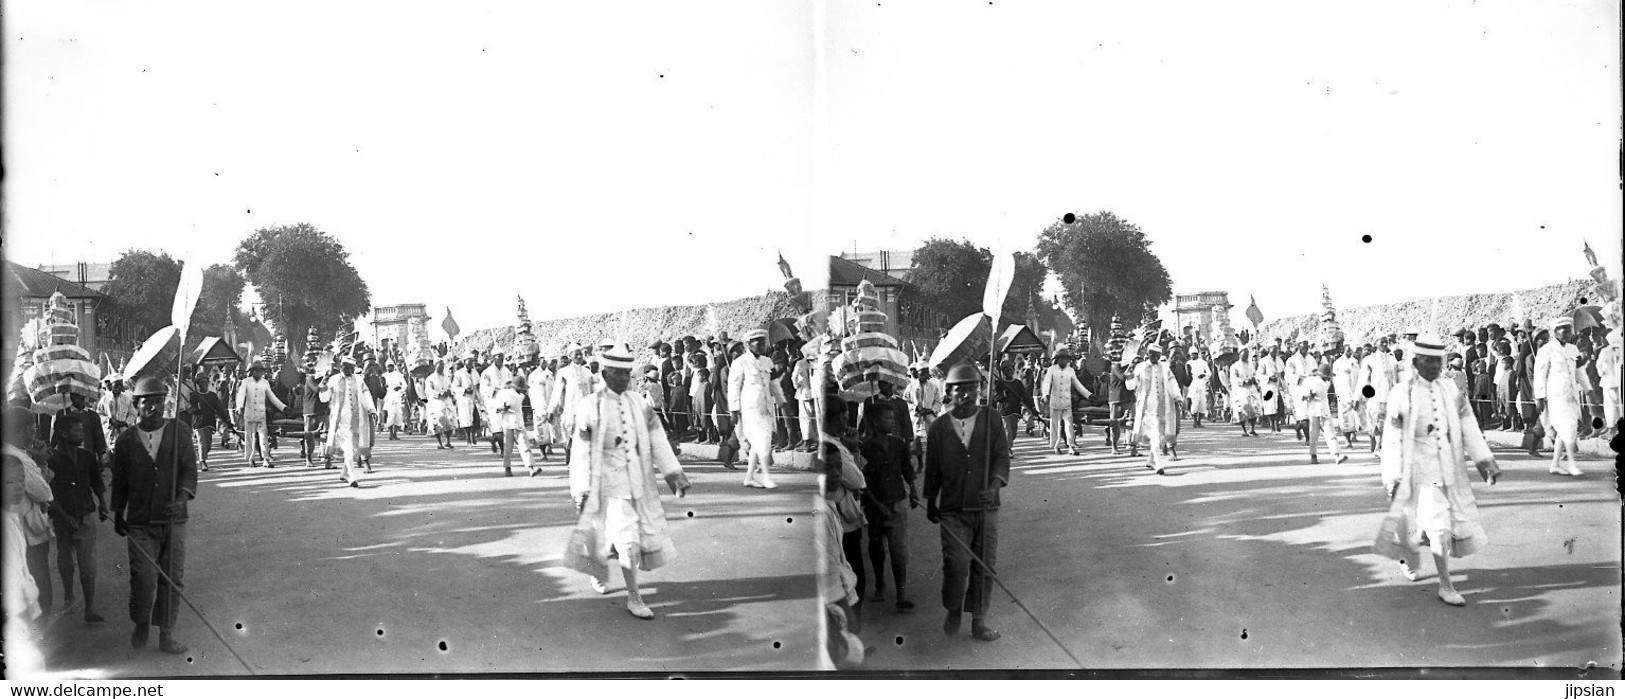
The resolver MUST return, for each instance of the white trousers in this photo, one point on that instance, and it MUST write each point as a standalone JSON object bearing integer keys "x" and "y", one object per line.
{"x": 256, "y": 431}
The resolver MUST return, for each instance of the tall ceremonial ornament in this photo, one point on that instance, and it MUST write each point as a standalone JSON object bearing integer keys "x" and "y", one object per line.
{"x": 869, "y": 357}
{"x": 1116, "y": 340}
{"x": 421, "y": 361}
{"x": 1331, "y": 332}
{"x": 313, "y": 352}
{"x": 524, "y": 342}
{"x": 1224, "y": 346}
{"x": 61, "y": 367}
{"x": 1607, "y": 290}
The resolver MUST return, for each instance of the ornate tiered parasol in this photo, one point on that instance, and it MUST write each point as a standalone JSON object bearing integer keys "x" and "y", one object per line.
{"x": 869, "y": 357}
{"x": 61, "y": 367}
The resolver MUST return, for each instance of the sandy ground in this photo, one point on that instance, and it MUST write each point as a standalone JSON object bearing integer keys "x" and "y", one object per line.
{"x": 1246, "y": 556}
{"x": 440, "y": 565}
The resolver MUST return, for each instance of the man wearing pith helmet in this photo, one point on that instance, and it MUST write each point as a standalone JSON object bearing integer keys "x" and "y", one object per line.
{"x": 154, "y": 477}
{"x": 967, "y": 462}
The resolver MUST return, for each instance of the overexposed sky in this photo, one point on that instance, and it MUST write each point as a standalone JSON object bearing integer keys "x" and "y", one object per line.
{"x": 468, "y": 152}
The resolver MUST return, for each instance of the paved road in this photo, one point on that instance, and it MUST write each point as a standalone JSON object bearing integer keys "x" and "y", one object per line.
{"x": 305, "y": 576}
{"x": 1244, "y": 555}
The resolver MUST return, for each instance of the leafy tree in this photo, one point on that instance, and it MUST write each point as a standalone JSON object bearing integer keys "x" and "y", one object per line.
{"x": 305, "y": 278}
{"x": 142, "y": 288}
{"x": 952, "y": 274}
{"x": 141, "y": 285}
{"x": 1107, "y": 268}
{"x": 222, "y": 294}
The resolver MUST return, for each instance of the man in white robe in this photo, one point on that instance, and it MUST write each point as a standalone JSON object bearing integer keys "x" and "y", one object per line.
{"x": 1346, "y": 384}
{"x": 350, "y": 417}
{"x": 1379, "y": 371}
{"x": 539, "y": 384}
{"x": 1298, "y": 367}
{"x": 620, "y": 446}
{"x": 1432, "y": 436}
{"x": 465, "y": 385}
{"x": 1156, "y": 407}
{"x": 442, "y": 408}
{"x": 573, "y": 383}
{"x": 394, "y": 400}
{"x": 1196, "y": 393}
{"x": 252, "y": 398}
{"x": 754, "y": 396}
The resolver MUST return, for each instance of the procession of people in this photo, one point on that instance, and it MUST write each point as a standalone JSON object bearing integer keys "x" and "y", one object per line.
{"x": 890, "y": 436}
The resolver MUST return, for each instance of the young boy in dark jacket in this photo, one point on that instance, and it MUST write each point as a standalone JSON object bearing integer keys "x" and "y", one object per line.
{"x": 889, "y": 472}
{"x": 78, "y": 493}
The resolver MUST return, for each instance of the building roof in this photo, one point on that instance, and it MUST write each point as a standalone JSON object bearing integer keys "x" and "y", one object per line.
{"x": 27, "y": 282}
{"x": 888, "y": 261}
{"x": 843, "y": 272}
{"x": 95, "y": 272}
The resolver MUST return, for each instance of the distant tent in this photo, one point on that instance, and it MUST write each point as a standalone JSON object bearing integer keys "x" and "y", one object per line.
{"x": 1019, "y": 338}
{"x": 213, "y": 350}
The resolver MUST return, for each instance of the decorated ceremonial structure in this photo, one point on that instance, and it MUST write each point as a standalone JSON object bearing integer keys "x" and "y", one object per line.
{"x": 57, "y": 367}
{"x": 869, "y": 357}
{"x": 1331, "y": 333}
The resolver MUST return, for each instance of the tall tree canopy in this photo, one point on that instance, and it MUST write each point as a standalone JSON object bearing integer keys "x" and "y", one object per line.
{"x": 142, "y": 288}
{"x": 305, "y": 279}
{"x": 952, "y": 274}
{"x": 1107, "y": 268}
{"x": 222, "y": 294}
{"x": 141, "y": 285}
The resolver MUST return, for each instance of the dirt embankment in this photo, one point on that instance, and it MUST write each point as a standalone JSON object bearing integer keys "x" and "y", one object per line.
{"x": 1442, "y": 315}
{"x": 644, "y": 325}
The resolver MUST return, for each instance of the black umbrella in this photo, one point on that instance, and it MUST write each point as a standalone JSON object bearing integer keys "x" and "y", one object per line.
{"x": 781, "y": 330}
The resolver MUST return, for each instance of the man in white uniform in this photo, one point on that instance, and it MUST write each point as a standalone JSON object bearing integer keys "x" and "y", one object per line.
{"x": 1345, "y": 382}
{"x": 252, "y": 397}
{"x": 1557, "y": 393}
{"x": 1055, "y": 391}
{"x": 1196, "y": 393}
{"x": 754, "y": 395}
{"x": 539, "y": 384}
{"x": 465, "y": 389}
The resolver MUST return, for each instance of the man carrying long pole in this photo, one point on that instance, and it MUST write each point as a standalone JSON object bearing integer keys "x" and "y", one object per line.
{"x": 966, "y": 464}
{"x": 154, "y": 476}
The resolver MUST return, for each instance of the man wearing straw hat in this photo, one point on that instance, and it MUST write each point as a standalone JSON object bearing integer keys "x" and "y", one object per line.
{"x": 252, "y": 397}
{"x": 350, "y": 415}
{"x": 154, "y": 476}
{"x": 967, "y": 462}
{"x": 1557, "y": 393}
{"x": 754, "y": 395}
{"x": 620, "y": 446}
{"x": 1431, "y": 436}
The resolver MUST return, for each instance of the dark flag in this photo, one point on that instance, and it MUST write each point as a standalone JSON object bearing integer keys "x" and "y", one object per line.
{"x": 1253, "y": 314}
{"x": 450, "y": 325}
{"x": 784, "y": 267}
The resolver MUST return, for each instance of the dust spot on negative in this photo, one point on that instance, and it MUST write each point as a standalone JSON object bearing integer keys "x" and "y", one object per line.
{"x": 239, "y": 626}
{"x": 1596, "y": 423}
{"x": 443, "y": 647}
{"x": 777, "y": 645}
{"x": 1365, "y": 238}
{"x": 1069, "y": 219}
{"x": 690, "y": 514}
{"x": 1244, "y": 634}
{"x": 380, "y": 631}
{"x": 1368, "y": 392}
{"x": 1269, "y": 395}
{"x": 1170, "y": 578}
{"x": 1582, "y": 300}
{"x": 789, "y": 520}
{"x": 899, "y": 640}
